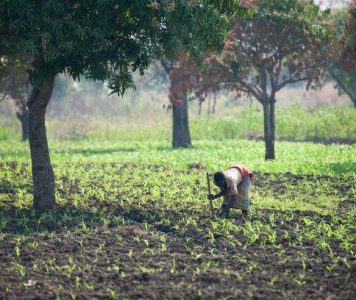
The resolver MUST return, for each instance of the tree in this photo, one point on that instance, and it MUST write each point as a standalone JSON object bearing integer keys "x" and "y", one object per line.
{"x": 185, "y": 79}
{"x": 283, "y": 43}
{"x": 207, "y": 89}
{"x": 348, "y": 39}
{"x": 183, "y": 72}
{"x": 179, "y": 73}
{"x": 101, "y": 40}
{"x": 345, "y": 80}
{"x": 342, "y": 65}
{"x": 15, "y": 85}
{"x": 181, "y": 79}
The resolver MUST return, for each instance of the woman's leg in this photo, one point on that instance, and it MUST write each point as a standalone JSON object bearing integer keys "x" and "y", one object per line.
{"x": 244, "y": 191}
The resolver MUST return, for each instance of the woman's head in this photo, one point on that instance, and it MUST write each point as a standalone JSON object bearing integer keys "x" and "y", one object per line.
{"x": 219, "y": 179}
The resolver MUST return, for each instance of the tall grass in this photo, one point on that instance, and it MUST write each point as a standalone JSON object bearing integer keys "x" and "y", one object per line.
{"x": 9, "y": 130}
{"x": 293, "y": 123}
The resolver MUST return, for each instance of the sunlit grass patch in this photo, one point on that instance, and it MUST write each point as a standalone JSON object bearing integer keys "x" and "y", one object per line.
{"x": 297, "y": 158}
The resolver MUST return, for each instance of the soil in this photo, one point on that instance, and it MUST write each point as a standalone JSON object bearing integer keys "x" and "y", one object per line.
{"x": 149, "y": 257}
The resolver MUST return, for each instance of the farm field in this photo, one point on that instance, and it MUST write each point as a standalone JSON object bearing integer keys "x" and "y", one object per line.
{"x": 131, "y": 114}
{"x": 133, "y": 221}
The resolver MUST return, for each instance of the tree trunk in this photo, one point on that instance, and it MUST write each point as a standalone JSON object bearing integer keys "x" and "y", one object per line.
{"x": 214, "y": 103}
{"x": 268, "y": 118}
{"x": 200, "y": 107}
{"x": 23, "y": 117}
{"x": 42, "y": 172}
{"x": 209, "y": 104}
{"x": 181, "y": 135}
{"x": 272, "y": 120}
{"x": 349, "y": 91}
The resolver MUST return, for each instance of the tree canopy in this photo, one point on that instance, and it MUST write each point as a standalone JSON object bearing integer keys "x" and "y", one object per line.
{"x": 107, "y": 39}
{"x": 348, "y": 39}
{"x": 342, "y": 64}
{"x": 283, "y": 43}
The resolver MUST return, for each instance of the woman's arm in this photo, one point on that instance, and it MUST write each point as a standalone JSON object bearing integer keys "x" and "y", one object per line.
{"x": 218, "y": 195}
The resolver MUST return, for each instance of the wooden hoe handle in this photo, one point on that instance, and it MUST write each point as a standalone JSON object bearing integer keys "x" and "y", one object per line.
{"x": 209, "y": 193}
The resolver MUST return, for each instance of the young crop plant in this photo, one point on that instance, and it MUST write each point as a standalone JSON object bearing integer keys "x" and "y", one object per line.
{"x": 273, "y": 281}
{"x": 20, "y": 268}
{"x": 35, "y": 266}
{"x": 88, "y": 286}
{"x": 252, "y": 267}
{"x": 101, "y": 247}
{"x": 130, "y": 253}
{"x": 173, "y": 266}
{"x": 113, "y": 293}
{"x": 77, "y": 282}
{"x": 240, "y": 258}
{"x": 252, "y": 232}
{"x": 68, "y": 270}
{"x": 17, "y": 252}
{"x": 211, "y": 237}
{"x": 300, "y": 279}
{"x": 272, "y": 236}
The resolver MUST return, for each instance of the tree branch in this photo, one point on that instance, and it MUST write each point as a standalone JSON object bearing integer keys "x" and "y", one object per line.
{"x": 244, "y": 87}
{"x": 165, "y": 66}
{"x": 289, "y": 81}
{"x": 3, "y": 97}
{"x": 340, "y": 83}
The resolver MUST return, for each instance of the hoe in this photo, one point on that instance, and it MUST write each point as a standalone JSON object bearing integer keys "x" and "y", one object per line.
{"x": 209, "y": 193}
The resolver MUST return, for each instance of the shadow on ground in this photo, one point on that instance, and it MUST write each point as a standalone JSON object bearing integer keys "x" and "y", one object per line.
{"x": 87, "y": 152}
{"x": 343, "y": 167}
{"x": 26, "y": 221}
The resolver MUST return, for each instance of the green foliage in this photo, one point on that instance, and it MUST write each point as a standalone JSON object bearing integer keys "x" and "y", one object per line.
{"x": 281, "y": 44}
{"x": 288, "y": 39}
{"x": 325, "y": 124}
{"x": 340, "y": 67}
{"x": 345, "y": 80}
{"x": 5, "y": 134}
{"x": 295, "y": 123}
{"x": 107, "y": 40}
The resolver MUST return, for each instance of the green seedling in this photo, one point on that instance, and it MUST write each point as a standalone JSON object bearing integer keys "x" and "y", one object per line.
{"x": 302, "y": 217}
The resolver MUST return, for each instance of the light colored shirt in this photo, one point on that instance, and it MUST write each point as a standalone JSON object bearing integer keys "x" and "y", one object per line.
{"x": 238, "y": 182}
{"x": 233, "y": 178}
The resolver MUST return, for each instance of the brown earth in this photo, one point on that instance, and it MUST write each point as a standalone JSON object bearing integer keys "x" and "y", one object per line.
{"x": 151, "y": 253}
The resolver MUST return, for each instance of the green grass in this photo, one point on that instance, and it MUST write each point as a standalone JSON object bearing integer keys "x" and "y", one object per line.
{"x": 132, "y": 212}
{"x": 327, "y": 124}
{"x": 292, "y": 123}
{"x": 297, "y": 158}
{"x": 295, "y": 123}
